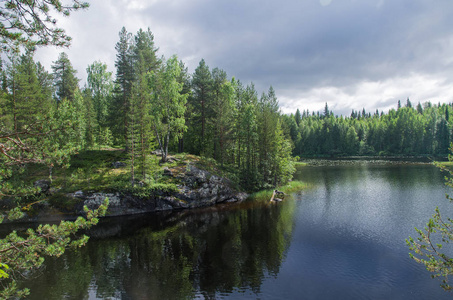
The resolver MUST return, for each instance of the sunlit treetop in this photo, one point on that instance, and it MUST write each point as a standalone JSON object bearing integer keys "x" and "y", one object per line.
{"x": 30, "y": 23}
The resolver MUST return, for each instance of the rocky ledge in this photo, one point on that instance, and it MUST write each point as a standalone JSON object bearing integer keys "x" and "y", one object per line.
{"x": 197, "y": 188}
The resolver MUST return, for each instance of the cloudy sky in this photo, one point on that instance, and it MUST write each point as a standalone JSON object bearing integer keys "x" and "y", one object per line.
{"x": 352, "y": 54}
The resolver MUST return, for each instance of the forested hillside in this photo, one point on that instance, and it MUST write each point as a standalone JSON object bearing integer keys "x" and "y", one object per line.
{"x": 151, "y": 103}
{"x": 423, "y": 130}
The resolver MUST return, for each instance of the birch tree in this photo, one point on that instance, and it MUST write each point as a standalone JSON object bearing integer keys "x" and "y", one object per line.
{"x": 168, "y": 104}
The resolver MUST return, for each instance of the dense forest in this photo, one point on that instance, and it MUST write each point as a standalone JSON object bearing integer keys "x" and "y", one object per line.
{"x": 423, "y": 130}
{"x": 152, "y": 103}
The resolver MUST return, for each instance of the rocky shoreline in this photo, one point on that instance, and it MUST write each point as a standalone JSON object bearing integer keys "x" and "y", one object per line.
{"x": 197, "y": 188}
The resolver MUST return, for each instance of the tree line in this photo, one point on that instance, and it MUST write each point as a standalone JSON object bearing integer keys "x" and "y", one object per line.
{"x": 407, "y": 130}
{"x": 151, "y": 103}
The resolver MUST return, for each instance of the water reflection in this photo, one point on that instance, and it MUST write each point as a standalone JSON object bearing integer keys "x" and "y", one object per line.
{"x": 343, "y": 239}
{"x": 177, "y": 256}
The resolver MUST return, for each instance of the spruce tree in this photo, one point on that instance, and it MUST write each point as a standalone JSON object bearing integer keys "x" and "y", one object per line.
{"x": 297, "y": 117}
{"x": 145, "y": 61}
{"x": 123, "y": 86}
{"x": 201, "y": 103}
{"x": 267, "y": 116}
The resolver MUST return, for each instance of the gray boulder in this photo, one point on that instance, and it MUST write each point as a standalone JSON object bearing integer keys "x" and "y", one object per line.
{"x": 118, "y": 164}
{"x": 43, "y": 184}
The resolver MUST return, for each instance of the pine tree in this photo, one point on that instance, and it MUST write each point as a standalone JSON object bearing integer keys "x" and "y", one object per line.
{"x": 34, "y": 131}
{"x": 65, "y": 81}
{"x": 31, "y": 23}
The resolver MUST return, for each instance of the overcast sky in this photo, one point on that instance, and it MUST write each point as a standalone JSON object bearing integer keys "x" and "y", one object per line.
{"x": 352, "y": 54}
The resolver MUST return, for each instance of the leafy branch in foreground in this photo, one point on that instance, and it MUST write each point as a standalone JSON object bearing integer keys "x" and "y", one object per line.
{"x": 430, "y": 253}
{"x": 21, "y": 253}
{"x": 31, "y": 23}
{"x": 428, "y": 249}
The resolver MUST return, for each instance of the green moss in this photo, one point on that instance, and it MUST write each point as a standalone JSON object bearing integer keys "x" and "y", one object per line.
{"x": 92, "y": 170}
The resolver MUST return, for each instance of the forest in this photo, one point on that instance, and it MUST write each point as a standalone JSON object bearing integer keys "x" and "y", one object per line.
{"x": 406, "y": 131}
{"x": 154, "y": 103}
{"x": 151, "y": 103}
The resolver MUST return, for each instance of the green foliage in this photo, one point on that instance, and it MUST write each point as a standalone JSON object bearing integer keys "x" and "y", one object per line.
{"x": 145, "y": 191}
{"x": 119, "y": 109}
{"x": 406, "y": 131}
{"x": 428, "y": 247}
{"x": 66, "y": 83}
{"x": 31, "y": 23}
{"x": 48, "y": 141}
{"x": 290, "y": 187}
{"x": 100, "y": 86}
{"x": 169, "y": 105}
{"x": 200, "y": 109}
{"x": 20, "y": 253}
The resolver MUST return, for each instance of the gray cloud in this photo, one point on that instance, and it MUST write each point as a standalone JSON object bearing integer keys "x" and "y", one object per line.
{"x": 298, "y": 47}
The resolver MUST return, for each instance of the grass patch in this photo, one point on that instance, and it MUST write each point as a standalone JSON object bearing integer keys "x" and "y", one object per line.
{"x": 445, "y": 164}
{"x": 94, "y": 171}
{"x": 300, "y": 164}
{"x": 291, "y": 187}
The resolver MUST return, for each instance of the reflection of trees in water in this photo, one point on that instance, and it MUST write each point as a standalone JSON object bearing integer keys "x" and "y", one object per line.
{"x": 213, "y": 252}
{"x": 403, "y": 174}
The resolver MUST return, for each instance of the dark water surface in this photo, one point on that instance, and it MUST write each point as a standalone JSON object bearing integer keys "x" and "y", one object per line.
{"x": 342, "y": 239}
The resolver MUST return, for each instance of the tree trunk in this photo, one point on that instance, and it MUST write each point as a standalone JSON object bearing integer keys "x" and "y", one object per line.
{"x": 181, "y": 145}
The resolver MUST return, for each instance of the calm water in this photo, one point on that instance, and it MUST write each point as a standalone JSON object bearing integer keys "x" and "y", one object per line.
{"x": 342, "y": 239}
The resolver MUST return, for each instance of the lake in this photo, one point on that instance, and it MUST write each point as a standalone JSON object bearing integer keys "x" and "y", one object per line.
{"x": 344, "y": 238}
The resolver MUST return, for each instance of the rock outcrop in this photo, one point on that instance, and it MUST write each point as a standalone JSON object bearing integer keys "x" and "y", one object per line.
{"x": 197, "y": 188}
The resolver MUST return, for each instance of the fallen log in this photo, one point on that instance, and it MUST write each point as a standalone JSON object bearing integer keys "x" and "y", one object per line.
{"x": 273, "y": 195}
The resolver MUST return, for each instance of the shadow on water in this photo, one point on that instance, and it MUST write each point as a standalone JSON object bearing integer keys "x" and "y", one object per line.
{"x": 173, "y": 256}
{"x": 344, "y": 240}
